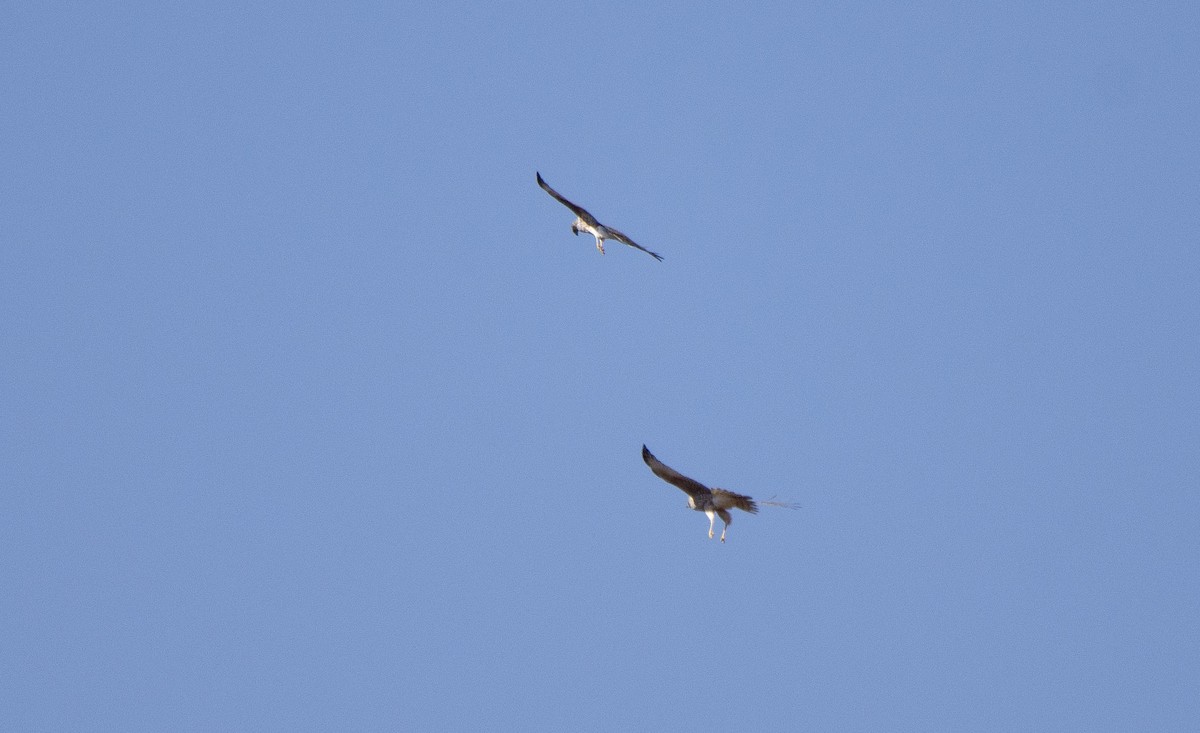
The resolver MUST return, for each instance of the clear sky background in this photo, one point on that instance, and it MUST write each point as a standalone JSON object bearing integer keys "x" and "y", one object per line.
{"x": 315, "y": 416}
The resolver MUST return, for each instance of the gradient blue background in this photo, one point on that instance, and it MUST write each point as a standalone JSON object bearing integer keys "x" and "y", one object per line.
{"x": 315, "y": 416}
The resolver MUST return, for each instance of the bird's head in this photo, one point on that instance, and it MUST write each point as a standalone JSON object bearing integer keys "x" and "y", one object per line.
{"x": 575, "y": 229}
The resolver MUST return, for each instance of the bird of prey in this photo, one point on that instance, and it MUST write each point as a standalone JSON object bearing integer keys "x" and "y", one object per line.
{"x": 713, "y": 502}
{"x": 585, "y": 222}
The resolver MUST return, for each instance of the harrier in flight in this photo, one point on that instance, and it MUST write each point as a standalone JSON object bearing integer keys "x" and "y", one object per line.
{"x": 587, "y": 223}
{"x": 713, "y": 502}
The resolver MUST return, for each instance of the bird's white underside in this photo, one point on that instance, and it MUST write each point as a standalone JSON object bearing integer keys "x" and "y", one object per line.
{"x": 599, "y": 234}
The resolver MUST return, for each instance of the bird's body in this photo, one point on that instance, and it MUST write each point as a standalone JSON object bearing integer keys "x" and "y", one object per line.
{"x": 587, "y": 223}
{"x": 713, "y": 502}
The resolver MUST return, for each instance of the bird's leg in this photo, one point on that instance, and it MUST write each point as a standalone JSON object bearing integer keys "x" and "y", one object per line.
{"x": 726, "y": 519}
{"x": 711, "y": 519}
{"x": 600, "y": 245}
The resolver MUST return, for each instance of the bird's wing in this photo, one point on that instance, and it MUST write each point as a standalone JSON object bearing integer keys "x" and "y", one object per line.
{"x": 623, "y": 239}
{"x": 581, "y": 212}
{"x": 691, "y": 487}
{"x": 729, "y": 500}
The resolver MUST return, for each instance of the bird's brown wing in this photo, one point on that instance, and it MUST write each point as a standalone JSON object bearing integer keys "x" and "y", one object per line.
{"x": 729, "y": 500}
{"x": 623, "y": 239}
{"x": 691, "y": 487}
{"x": 581, "y": 212}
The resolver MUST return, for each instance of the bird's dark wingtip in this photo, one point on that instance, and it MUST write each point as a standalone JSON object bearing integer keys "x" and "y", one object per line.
{"x": 539, "y": 178}
{"x": 646, "y": 454}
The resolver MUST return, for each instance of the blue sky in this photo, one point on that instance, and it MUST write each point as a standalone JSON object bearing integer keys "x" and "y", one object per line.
{"x": 317, "y": 417}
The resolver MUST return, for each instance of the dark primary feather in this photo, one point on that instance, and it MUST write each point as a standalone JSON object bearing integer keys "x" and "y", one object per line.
{"x": 691, "y": 487}
{"x": 581, "y": 212}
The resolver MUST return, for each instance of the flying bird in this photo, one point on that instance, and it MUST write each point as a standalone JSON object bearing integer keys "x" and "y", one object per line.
{"x": 587, "y": 223}
{"x": 713, "y": 502}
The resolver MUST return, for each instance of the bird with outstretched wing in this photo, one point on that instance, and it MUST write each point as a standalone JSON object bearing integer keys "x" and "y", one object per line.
{"x": 713, "y": 502}
{"x": 585, "y": 222}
